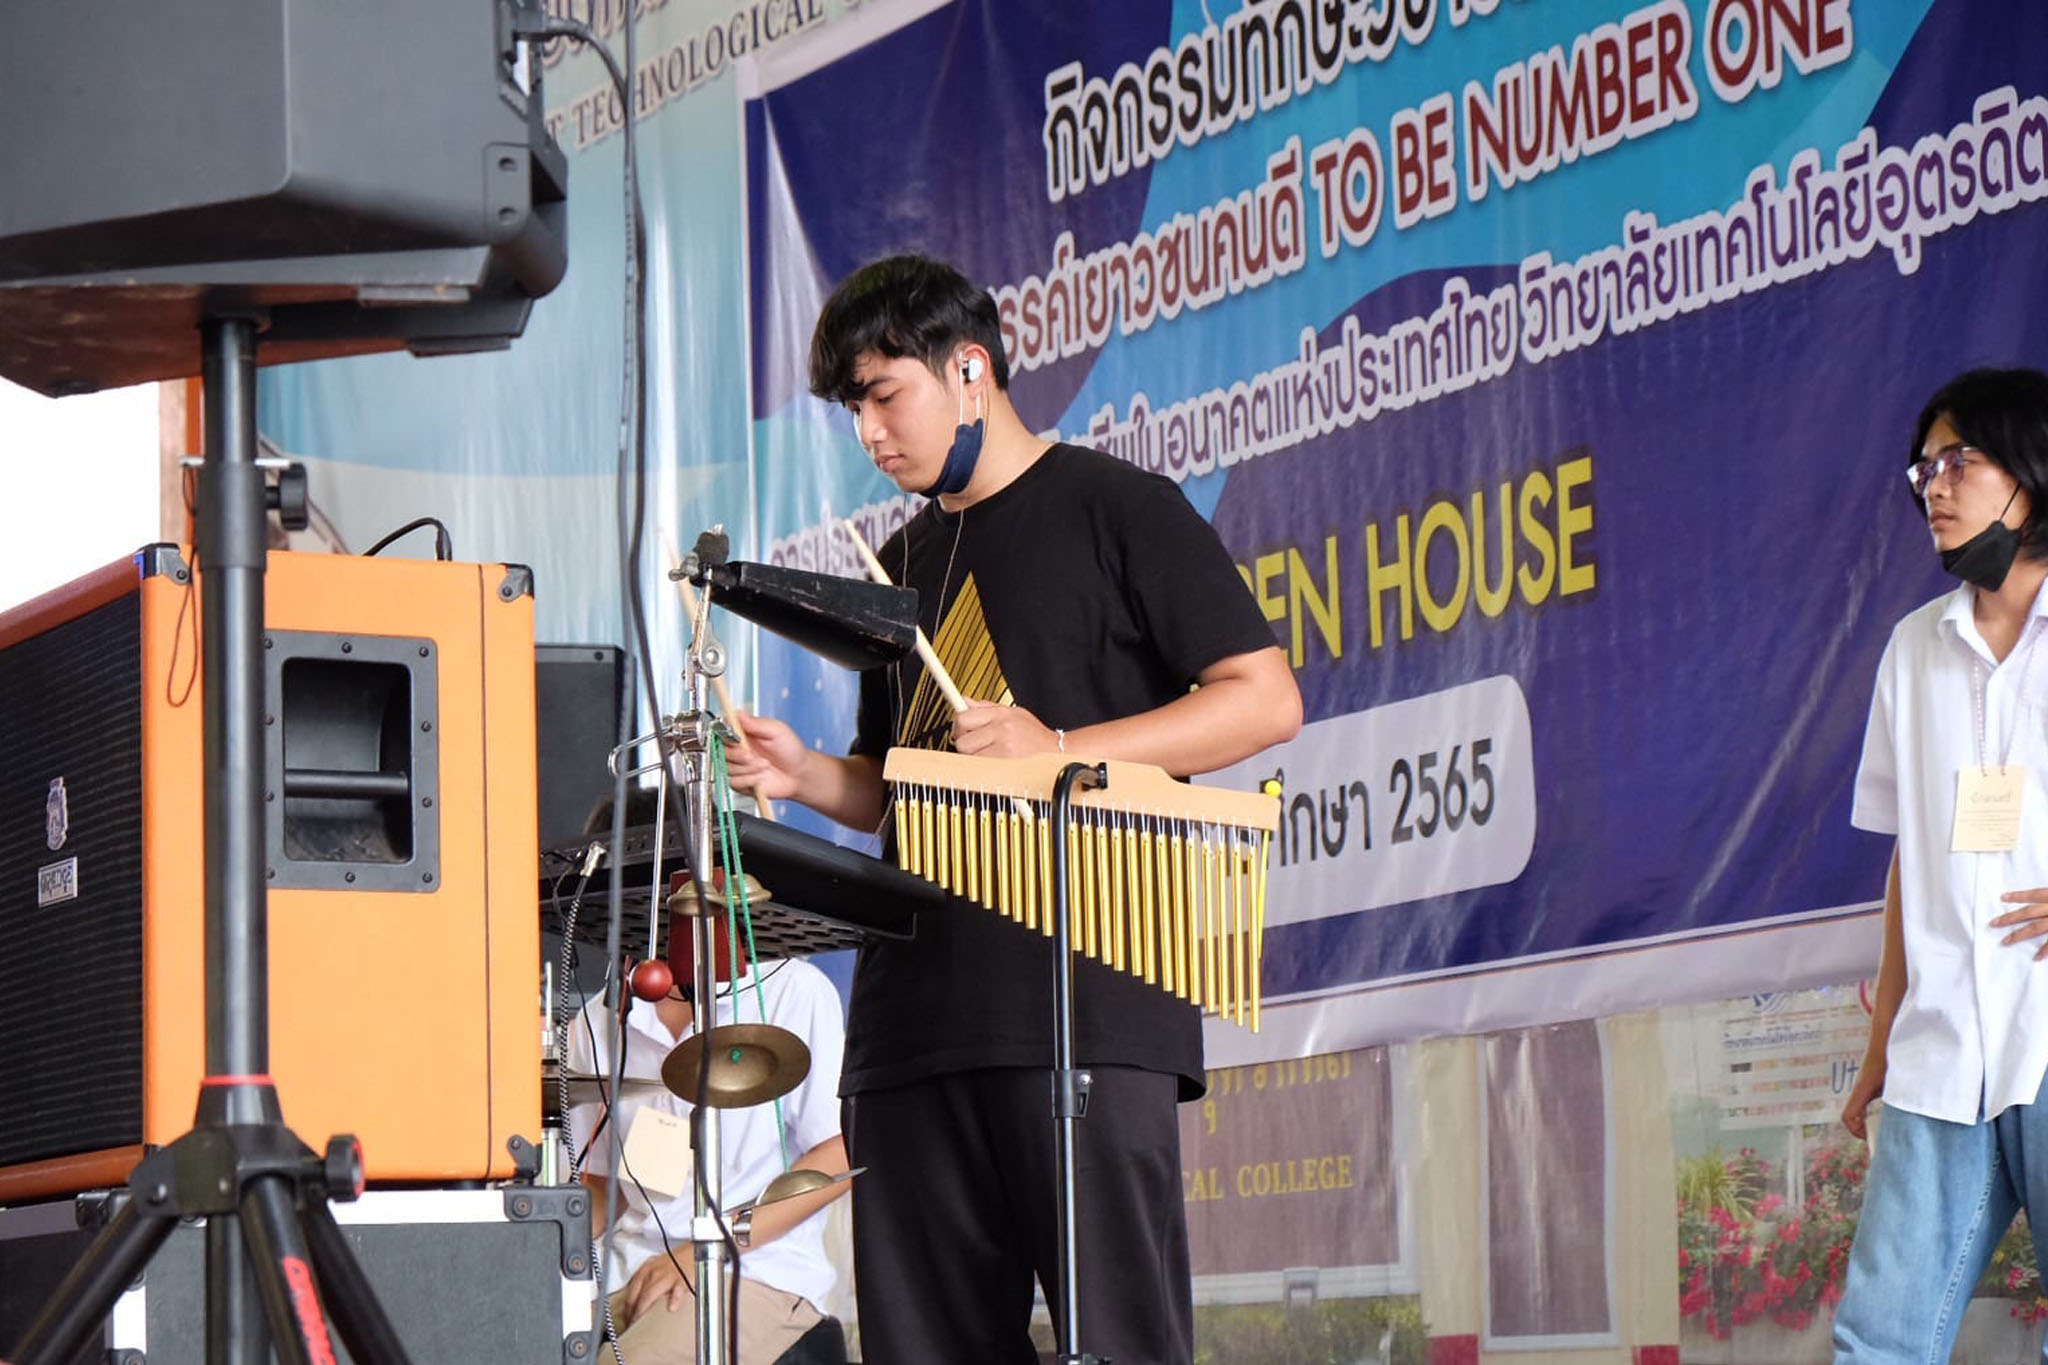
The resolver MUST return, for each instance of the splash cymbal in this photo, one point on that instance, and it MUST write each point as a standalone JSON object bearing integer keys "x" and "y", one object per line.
{"x": 750, "y": 1064}
{"x": 799, "y": 1181}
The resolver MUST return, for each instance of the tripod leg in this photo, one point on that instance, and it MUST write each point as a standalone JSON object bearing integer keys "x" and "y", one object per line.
{"x": 235, "y": 1332}
{"x": 351, "y": 1301}
{"x": 284, "y": 1275}
{"x": 87, "y": 1295}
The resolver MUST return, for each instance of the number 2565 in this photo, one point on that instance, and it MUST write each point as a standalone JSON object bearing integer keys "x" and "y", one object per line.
{"x": 1428, "y": 802}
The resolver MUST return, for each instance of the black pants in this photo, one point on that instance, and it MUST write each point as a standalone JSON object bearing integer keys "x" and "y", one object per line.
{"x": 956, "y": 1213}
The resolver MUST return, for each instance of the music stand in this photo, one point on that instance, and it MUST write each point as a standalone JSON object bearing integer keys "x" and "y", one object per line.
{"x": 822, "y": 897}
{"x": 1070, "y": 1084}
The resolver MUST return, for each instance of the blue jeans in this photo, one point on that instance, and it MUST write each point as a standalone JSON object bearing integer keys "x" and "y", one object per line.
{"x": 1939, "y": 1198}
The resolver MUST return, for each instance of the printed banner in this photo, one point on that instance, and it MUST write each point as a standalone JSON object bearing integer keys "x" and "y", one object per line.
{"x": 1547, "y": 366}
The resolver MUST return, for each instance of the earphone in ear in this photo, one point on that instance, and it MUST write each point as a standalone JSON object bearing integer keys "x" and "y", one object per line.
{"x": 971, "y": 371}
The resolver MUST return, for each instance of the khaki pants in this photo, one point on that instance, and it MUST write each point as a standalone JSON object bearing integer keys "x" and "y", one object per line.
{"x": 770, "y": 1322}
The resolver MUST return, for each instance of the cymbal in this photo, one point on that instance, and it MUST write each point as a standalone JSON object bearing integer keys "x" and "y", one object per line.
{"x": 750, "y": 1064}
{"x": 585, "y": 1087}
{"x": 799, "y": 1181}
{"x": 684, "y": 900}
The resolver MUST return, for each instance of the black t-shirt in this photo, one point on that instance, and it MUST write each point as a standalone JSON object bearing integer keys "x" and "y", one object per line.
{"x": 1087, "y": 590}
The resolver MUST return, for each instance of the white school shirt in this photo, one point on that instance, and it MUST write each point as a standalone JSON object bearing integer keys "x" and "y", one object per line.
{"x": 799, "y": 998}
{"x": 1971, "y": 1036}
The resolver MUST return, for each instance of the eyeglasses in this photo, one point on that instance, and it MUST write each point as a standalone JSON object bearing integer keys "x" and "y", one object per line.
{"x": 1948, "y": 463}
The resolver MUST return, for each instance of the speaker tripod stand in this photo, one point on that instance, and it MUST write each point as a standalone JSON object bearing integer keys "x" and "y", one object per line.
{"x": 274, "y": 1255}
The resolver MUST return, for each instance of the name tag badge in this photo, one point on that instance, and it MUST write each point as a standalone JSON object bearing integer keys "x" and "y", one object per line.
{"x": 658, "y": 1152}
{"x": 1988, "y": 809}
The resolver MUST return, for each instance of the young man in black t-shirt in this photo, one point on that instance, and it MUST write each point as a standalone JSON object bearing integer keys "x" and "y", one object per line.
{"x": 1084, "y": 607}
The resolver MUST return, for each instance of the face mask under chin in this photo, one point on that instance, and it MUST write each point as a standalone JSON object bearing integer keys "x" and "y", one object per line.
{"x": 1986, "y": 558}
{"x": 960, "y": 459}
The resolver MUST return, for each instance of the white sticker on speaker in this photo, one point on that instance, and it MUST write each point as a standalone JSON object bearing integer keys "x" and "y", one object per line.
{"x": 57, "y": 882}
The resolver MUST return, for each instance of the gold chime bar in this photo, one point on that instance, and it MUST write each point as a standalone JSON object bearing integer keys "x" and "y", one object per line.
{"x": 1166, "y": 880}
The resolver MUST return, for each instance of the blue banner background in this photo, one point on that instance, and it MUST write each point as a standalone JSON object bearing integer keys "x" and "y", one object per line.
{"x": 1698, "y": 714}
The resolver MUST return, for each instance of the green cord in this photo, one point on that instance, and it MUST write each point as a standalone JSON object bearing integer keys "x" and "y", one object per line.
{"x": 735, "y": 877}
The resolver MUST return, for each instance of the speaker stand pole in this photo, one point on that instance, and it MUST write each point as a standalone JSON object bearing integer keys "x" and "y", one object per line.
{"x": 272, "y": 1248}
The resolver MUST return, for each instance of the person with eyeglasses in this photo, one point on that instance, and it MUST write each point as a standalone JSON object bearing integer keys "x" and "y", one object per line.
{"x": 1955, "y": 766}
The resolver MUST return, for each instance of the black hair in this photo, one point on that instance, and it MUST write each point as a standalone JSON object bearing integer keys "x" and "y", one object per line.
{"x": 2004, "y": 414}
{"x": 901, "y": 306}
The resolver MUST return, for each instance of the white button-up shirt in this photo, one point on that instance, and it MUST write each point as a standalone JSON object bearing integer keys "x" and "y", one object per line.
{"x": 794, "y": 995}
{"x": 1971, "y": 1036}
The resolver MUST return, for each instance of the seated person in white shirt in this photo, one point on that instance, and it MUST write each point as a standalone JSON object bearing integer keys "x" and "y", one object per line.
{"x": 1955, "y": 765}
{"x": 784, "y": 1270}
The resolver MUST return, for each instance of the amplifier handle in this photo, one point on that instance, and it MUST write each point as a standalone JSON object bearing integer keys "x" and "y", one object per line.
{"x": 344, "y": 784}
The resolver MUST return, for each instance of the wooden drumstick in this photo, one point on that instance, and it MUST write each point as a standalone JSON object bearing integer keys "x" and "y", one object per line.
{"x": 924, "y": 646}
{"x": 690, "y": 607}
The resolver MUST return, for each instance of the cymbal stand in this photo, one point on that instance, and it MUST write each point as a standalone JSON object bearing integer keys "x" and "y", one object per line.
{"x": 689, "y": 740}
{"x": 684, "y": 742}
{"x": 1070, "y": 1085}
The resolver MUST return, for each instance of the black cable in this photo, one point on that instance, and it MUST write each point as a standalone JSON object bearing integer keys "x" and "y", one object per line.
{"x": 571, "y": 954}
{"x": 444, "y": 548}
{"x": 560, "y": 1043}
{"x": 632, "y": 503}
{"x": 189, "y": 482}
{"x": 532, "y": 22}
{"x": 733, "y": 988}
{"x": 660, "y": 1228}
{"x": 698, "y": 1109}
{"x": 625, "y": 1167}
{"x": 604, "y": 1094}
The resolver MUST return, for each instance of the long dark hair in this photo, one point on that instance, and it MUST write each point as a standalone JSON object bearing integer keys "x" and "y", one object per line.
{"x": 2003, "y": 413}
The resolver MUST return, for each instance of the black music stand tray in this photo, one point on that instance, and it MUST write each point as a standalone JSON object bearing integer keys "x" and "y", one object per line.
{"x": 822, "y": 896}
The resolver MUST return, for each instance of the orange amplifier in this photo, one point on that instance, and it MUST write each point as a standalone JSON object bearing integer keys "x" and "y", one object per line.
{"x": 403, "y": 916}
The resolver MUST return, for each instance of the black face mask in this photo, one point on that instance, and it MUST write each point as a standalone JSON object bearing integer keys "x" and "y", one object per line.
{"x": 1986, "y": 558}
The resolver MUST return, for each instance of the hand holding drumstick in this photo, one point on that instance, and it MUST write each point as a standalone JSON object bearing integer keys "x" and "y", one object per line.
{"x": 691, "y": 609}
{"x": 937, "y": 670}
{"x": 979, "y": 727}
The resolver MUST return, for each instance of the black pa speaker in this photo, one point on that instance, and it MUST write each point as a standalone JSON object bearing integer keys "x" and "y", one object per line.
{"x": 359, "y": 176}
{"x": 583, "y": 696}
